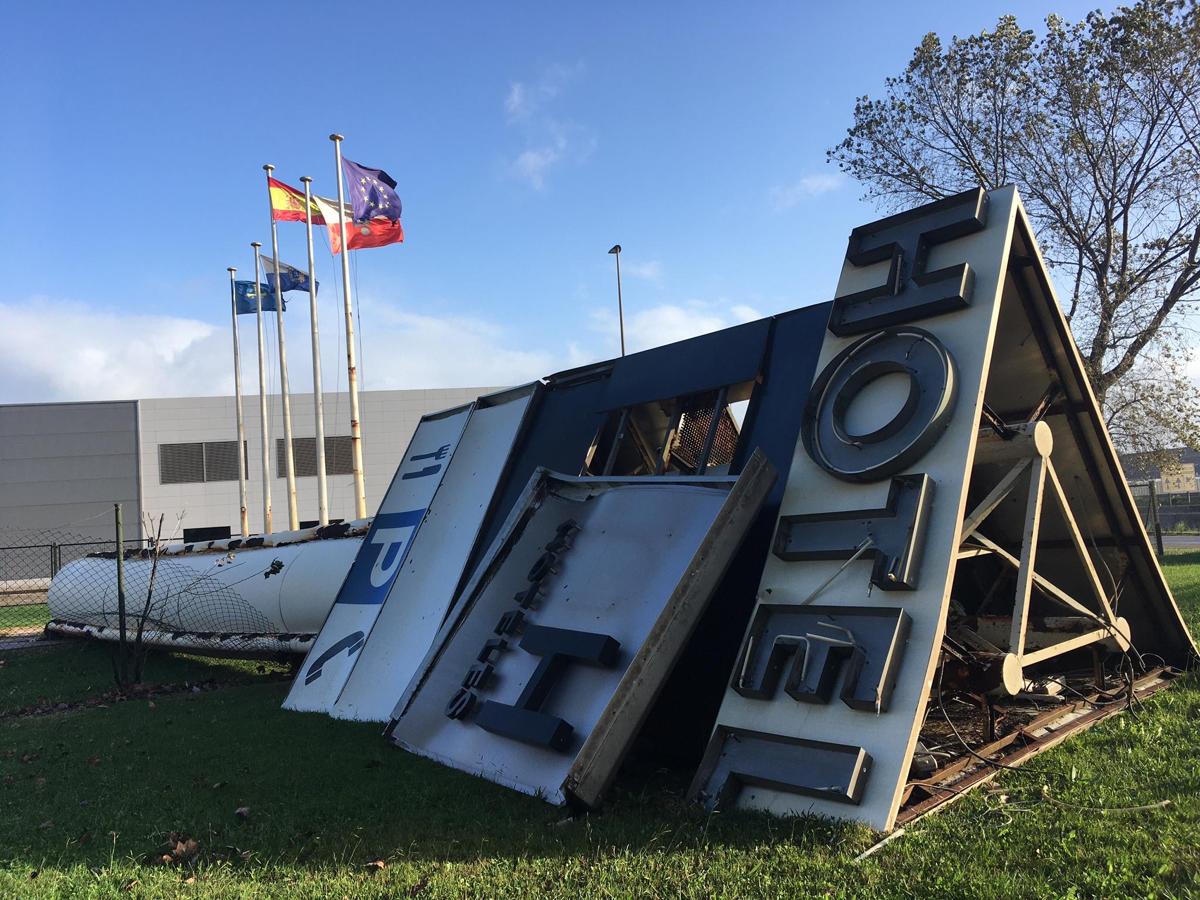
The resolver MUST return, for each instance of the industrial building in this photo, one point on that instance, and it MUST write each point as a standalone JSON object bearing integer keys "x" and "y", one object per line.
{"x": 65, "y": 464}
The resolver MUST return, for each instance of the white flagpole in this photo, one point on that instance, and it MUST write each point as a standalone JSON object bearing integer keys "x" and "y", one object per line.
{"x": 289, "y": 458}
{"x": 318, "y": 399}
{"x": 262, "y": 394}
{"x": 360, "y": 490}
{"x": 237, "y": 391}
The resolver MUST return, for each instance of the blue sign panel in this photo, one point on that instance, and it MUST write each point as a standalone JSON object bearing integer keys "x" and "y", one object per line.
{"x": 379, "y": 561}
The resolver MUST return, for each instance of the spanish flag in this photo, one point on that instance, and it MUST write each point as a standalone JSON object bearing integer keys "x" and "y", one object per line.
{"x": 287, "y": 204}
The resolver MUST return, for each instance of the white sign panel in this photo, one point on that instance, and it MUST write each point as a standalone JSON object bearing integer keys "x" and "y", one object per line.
{"x": 882, "y": 475}
{"x": 549, "y": 664}
{"x": 423, "y": 589}
{"x": 328, "y": 663}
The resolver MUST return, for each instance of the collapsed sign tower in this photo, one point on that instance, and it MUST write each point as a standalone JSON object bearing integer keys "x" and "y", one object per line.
{"x": 922, "y": 507}
{"x": 1004, "y": 543}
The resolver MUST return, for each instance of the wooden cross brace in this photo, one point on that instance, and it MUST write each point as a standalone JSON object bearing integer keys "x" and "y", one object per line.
{"x": 1031, "y": 447}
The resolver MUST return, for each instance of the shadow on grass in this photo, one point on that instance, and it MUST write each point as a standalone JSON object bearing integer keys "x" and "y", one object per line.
{"x": 1177, "y": 557}
{"x": 84, "y": 787}
{"x": 72, "y": 671}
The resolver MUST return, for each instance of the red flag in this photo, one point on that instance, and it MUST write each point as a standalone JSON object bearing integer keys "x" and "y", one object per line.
{"x": 377, "y": 232}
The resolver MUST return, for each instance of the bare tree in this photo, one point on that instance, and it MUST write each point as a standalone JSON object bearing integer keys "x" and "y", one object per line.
{"x": 155, "y": 550}
{"x": 129, "y": 665}
{"x": 1098, "y": 124}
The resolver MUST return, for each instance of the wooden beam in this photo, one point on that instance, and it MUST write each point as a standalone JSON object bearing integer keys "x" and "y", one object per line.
{"x": 1053, "y": 591}
{"x": 1080, "y": 547}
{"x": 972, "y": 552}
{"x": 994, "y": 498}
{"x": 1030, "y": 439}
{"x": 1066, "y": 720}
{"x": 1033, "y": 657}
{"x": 1033, "y": 520}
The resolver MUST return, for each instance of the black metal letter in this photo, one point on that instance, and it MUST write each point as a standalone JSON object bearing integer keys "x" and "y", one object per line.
{"x": 912, "y": 430}
{"x": 910, "y": 292}
{"x": 896, "y": 533}
{"x": 737, "y": 758}
{"x": 819, "y": 639}
{"x": 558, "y": 648}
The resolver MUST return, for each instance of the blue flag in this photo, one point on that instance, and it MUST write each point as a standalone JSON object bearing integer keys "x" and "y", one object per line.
{"x": 247, "y": 299}
{"x": 290, "y": 278}
{"x": 372, "y": 192}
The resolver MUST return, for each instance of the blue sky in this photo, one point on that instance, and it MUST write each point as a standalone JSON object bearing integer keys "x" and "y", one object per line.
{"x": 526, "y": 140}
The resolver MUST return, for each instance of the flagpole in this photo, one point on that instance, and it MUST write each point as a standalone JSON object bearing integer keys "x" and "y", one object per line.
{"x": 262, "y": 393}
{"x": 237, "y": 392}
{"x": 318, "y": 399}
{"x": 360, "y": 490}
{"x": 289, "y": 457}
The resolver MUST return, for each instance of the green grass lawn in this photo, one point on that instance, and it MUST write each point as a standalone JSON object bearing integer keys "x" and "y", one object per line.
{"x": 75, "y": 670}
{"x": 23, "y": 617}
{"x": 90, "y": 798}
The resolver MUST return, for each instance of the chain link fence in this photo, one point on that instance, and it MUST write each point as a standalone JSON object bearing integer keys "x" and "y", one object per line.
{"x": 1167, "y": 516}
{"x": 221, "y": 596}
{"x": 28, "y": 560}
{"x": 210, "y": 605}
{"x": 1177, "y": 513}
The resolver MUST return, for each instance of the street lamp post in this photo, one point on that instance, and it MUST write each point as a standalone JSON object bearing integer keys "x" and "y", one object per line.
{"x": 616, "y": 251}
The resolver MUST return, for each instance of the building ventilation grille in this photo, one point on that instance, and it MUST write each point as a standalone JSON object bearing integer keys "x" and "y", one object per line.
{"x": 338, "y": 460}
{"x": 180, "y": 463}
{"x": 198, "y": 461}
{"x": 220, "y": 461}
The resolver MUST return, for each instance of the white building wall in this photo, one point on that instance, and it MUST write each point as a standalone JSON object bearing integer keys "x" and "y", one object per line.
{"x": 388, "y": 421}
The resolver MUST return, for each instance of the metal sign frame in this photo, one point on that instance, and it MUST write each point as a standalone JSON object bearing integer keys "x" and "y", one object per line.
{"x": 514, "y": 689}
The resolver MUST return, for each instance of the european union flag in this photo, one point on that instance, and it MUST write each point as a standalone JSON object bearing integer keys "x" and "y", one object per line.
{"x": 246, "y": 296}
{"x": 290, "y": 278}
{"x": 372, "y": 192}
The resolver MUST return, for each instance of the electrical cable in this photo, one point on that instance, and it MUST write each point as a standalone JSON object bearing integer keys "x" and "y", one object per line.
{"x": 1045, "y": 795}
{"x": 961, "y": 739}
{"x": 1161, "y": 804}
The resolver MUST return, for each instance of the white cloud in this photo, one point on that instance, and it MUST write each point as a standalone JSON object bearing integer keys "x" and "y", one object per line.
{"x": 786, "y": 196}
{"x": 525, "y": 98}
{"x": 407, "y": 350}
{"x": 517, "y": 103}
{"x": 52, "y": 350}
{"x": 549, "y": 139}
{"x": 670, "y": 322}
{"x": 61, "y": 350}
{"x": 557, "y": 143}
{"x": 649, "y": 271}
{"x": 532, "y": 164}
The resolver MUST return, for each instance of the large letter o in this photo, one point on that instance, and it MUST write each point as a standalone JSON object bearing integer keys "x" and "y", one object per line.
{"x": 915, "y": 427}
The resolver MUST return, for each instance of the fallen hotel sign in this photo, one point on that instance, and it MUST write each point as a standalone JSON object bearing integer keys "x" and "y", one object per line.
{"x": 943, "y": 334}
{"x": 951, "y": 494}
